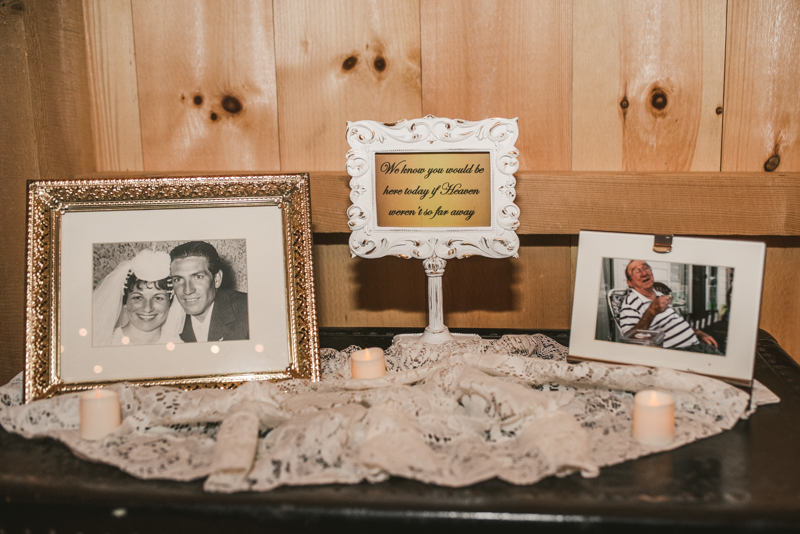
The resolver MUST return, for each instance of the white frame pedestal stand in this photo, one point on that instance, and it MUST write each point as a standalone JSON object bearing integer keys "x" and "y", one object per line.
{"x": 407, "y": 141}
{"x": 436, "y": 332}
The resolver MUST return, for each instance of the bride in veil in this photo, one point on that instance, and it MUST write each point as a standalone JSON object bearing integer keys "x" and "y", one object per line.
{"x": 135, "y": 305}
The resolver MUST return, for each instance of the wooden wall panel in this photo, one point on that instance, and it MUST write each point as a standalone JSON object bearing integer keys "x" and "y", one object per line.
{"x": 762, "y": 84}
{"x": 573, "y": 260}
{"x": 531, "y": 291}
{"x": 596, "y": 117}
{"x": 384, "y": 292}
{"x": 206, "y": 74}
{"x": 46, "y": 133}
{"x": 505, "y": 59}
{"x": 18, "y": 162}
{"x": 330, "y": 198}
{"x": 780, "y": 302}
{"x": 707, "y": 151}
{"x": 647, "y": 82}
{"x": 56, "y": 48}
{"x": 301, "y": 69}
{"x": 482, "y": 58}
{"x": 339, "y": 61}
{"x": 112, "y": 85}
{"x": 680, "y": 203}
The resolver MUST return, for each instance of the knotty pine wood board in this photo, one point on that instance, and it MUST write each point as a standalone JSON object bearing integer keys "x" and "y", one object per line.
{"x": 647, "y": 82}
{"x": 357, "y": 292}
{"x": 56, "y": 48}
{"x": 531, "y": 291}
{"x": 596, "y": 115}
{"x": 339, "y": 61}
{"x": 206, "y": 81}
{"x": 330, "y": 198}
{"x": 672, "y": 203}
{"x": 482, "y": 58}
{"x": 780, "y": 301}
{"x": 112, "y": 85}
{"x": 561, "y": 203}
{"x": 18, "y": 163}
{"x": 46, "y": 101}
{"x": 762, "y": 84}
{"x": 679, "y": 203}
{"x": 573, "y": 263}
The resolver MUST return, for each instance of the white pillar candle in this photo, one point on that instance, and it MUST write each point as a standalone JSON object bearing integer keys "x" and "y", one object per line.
{"x": 100, "y": 413}
{"x": 368, "y": 363}
{"x": 653, "y": 418}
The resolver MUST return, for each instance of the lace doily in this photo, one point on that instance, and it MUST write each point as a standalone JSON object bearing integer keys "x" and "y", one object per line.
{"x": 452, "y": 414}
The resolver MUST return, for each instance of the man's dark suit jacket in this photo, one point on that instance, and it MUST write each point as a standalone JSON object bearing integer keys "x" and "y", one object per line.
{"x": 228, "y": 318}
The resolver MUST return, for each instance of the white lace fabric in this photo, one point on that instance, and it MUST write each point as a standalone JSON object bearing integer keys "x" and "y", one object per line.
{"x": 452, "y": 415}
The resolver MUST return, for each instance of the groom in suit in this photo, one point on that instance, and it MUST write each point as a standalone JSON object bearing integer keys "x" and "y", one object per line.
{"x": 212, "y": 314}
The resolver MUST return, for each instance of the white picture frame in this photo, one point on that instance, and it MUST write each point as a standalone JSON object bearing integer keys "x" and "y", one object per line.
{"x": 603, "y": 260}
{"x": 433, "y": 135}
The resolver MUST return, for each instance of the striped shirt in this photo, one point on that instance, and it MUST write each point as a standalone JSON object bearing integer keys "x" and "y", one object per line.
{"x": 678, "y": 333}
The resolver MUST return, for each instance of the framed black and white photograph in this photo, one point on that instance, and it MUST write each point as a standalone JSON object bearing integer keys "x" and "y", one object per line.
{"x": 172, "y": 292}
{"x": 694, "y": 307}
{"x": 180, "y": 281}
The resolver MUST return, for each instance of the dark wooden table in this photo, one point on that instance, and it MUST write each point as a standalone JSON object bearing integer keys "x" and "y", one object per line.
{"x": 743, "y": 480}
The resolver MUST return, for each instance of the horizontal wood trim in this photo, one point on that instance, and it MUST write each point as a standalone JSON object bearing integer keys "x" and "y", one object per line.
{"x": 674, "y": 203}
{"x": 699, "y": 203}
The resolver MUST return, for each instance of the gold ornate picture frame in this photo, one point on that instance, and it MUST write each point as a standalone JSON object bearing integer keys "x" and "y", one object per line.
{"x": 185, "y": 281}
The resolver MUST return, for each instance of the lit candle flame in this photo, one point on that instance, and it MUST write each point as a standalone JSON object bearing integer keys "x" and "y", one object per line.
{"x": 97, "y": 394}
{"x": 652, "y": 400}
{"x": 367, "y": 355}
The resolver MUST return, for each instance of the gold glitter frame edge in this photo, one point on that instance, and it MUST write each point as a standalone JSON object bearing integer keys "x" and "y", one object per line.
{"x": 48, "y": 201}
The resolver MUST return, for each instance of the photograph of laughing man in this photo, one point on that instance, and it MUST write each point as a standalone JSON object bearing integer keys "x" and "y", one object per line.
{"x": 212, "y": 313}
{"x": 646, "y": 308}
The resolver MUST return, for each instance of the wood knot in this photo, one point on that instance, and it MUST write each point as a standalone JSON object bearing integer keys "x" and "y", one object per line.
{"x": 624, "y": 104}
{"x": 213, "y": 116}
{"x": 772, "y": 163}
{"x": 198, "y": 100}
{"x": 658, "y": 100}
{"x": 231, "y": 104}
{"x": 349, "y": 63}
{"x": 14, "y": 6}
{"x": 380, "y": 64}
{"x": 719, "y": 110}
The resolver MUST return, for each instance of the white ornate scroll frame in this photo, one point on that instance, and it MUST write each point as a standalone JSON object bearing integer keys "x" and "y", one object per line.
{"x": 433, "y": 245}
